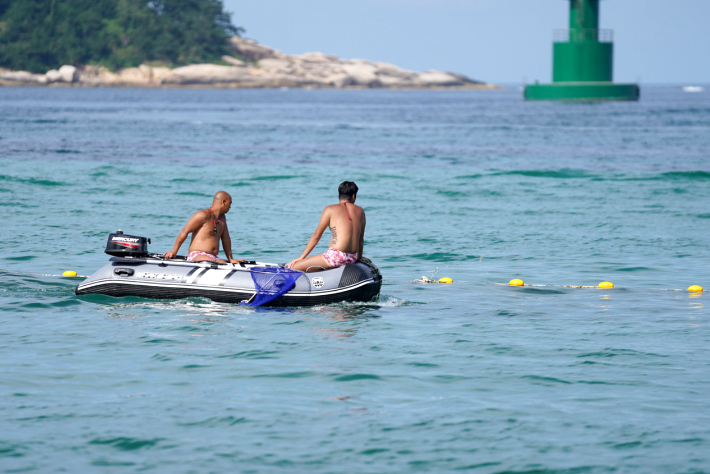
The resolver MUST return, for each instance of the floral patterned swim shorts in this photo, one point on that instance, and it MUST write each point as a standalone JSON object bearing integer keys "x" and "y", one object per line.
{"x": 336, "y": 258}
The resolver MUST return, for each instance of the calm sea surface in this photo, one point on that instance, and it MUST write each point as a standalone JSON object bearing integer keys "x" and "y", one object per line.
{"x": 474, "y": 376}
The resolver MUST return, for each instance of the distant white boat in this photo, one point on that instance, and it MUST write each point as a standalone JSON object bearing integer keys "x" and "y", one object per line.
{"x": 693, "y": 89}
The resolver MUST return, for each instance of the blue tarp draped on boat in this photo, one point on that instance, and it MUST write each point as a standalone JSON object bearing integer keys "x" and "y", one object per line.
{"x": 270, "y": 283}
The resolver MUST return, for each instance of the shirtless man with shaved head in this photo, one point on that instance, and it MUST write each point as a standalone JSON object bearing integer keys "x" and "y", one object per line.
{"x": 207, "y": 227}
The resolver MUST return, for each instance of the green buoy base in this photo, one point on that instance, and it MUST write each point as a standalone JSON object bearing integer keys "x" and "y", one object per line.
{"x": 582, "y": 91}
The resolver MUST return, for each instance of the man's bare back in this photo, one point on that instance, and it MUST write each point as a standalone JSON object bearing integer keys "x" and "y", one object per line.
{"x": 346, "y": 222}
{"x": 207, "y": 227}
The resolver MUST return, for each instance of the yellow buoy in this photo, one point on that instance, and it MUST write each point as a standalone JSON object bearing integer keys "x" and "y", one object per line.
{"x": 606, "y": 284}
{"x": 695, "y": 288}
{"x": 69, "y": 273}
{"x": 516, "y": 282}
{"x": 445, "y": 280}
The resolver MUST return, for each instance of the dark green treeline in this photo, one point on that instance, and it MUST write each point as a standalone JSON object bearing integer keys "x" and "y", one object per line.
{"x": 38, "y": 35}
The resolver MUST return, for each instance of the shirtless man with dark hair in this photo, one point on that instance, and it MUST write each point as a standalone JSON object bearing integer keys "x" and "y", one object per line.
{"x": 346, "y": 222}
{"x": 207, "y": 227}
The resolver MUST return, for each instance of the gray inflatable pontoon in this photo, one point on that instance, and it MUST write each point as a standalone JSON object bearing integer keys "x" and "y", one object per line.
{"x": 155, "y": 277}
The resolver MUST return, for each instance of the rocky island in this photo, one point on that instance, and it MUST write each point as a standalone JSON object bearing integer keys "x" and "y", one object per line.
{"x": 175, "y": 43}
{"x": 252, "y": 65}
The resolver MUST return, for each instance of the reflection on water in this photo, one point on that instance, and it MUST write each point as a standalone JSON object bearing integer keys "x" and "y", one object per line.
{"x": 607, "y": 306}
{"x": 344, "y": 313}
{"x": 332, "y": 332}
{"x": 347, "y": 312}
{"x": 695, "y": 304}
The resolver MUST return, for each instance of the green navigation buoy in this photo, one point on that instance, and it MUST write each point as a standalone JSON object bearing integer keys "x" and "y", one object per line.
{"x": 582, "y": 61}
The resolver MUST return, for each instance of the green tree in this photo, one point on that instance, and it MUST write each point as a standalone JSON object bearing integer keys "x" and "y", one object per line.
{"x": 38, "y": 35}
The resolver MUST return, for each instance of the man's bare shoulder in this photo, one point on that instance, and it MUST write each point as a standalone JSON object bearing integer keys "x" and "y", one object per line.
{"x": 357, "y": 208}
{"x": 201, "y": 214}
{"x": 198, "y": 218}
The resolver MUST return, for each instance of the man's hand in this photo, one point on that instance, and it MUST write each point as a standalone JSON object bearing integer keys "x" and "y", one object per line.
{"x": 169, "y": 254}
{"x": 293, "y": 262}
{"x": 236, "y": 260}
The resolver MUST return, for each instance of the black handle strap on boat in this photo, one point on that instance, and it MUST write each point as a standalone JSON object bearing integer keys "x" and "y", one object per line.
{"x": 161, "y": 256}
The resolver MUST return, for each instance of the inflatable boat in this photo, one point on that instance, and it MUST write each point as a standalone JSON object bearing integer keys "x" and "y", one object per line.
{"x": 132, "y": 271}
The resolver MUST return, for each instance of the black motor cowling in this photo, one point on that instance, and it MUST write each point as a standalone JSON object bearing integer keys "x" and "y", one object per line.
{"x": 122, "y": 245}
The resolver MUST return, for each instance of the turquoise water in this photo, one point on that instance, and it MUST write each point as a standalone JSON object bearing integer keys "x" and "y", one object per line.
{"x": 474, "y": 376}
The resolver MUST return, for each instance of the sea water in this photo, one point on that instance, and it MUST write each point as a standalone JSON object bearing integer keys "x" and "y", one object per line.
{"x": 477, "y": 376}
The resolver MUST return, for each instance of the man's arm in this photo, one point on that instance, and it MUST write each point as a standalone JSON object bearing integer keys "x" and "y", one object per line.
{"x": 361, "y": 244}
{"x": 227, "y": 244}
{"x": 315, "y": 238}
{"x": 193, "y": 225}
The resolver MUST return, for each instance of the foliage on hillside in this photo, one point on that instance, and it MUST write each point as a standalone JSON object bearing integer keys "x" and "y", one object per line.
{"x": 38, "y": 35}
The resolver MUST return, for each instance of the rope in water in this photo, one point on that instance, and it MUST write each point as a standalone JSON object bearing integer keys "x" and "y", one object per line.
{"x": 43, "y": 274}
{"x": 694, "y": 288}
{"x": 605, "y": 285}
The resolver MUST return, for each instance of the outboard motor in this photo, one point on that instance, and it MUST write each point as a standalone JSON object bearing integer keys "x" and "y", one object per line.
{"x": 122, "y": 245}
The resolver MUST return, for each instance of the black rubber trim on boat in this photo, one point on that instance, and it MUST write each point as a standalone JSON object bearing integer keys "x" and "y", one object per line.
{"x": 197, "y": 278}
{"x": 227, "y": 277}
{"x": 189, "y": 274}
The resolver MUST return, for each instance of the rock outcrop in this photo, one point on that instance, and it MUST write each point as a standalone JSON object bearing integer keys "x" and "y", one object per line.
{"x": 254, "y": 65}
{"x": 66, "y": 73}
{"x": 21, "y": 77}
